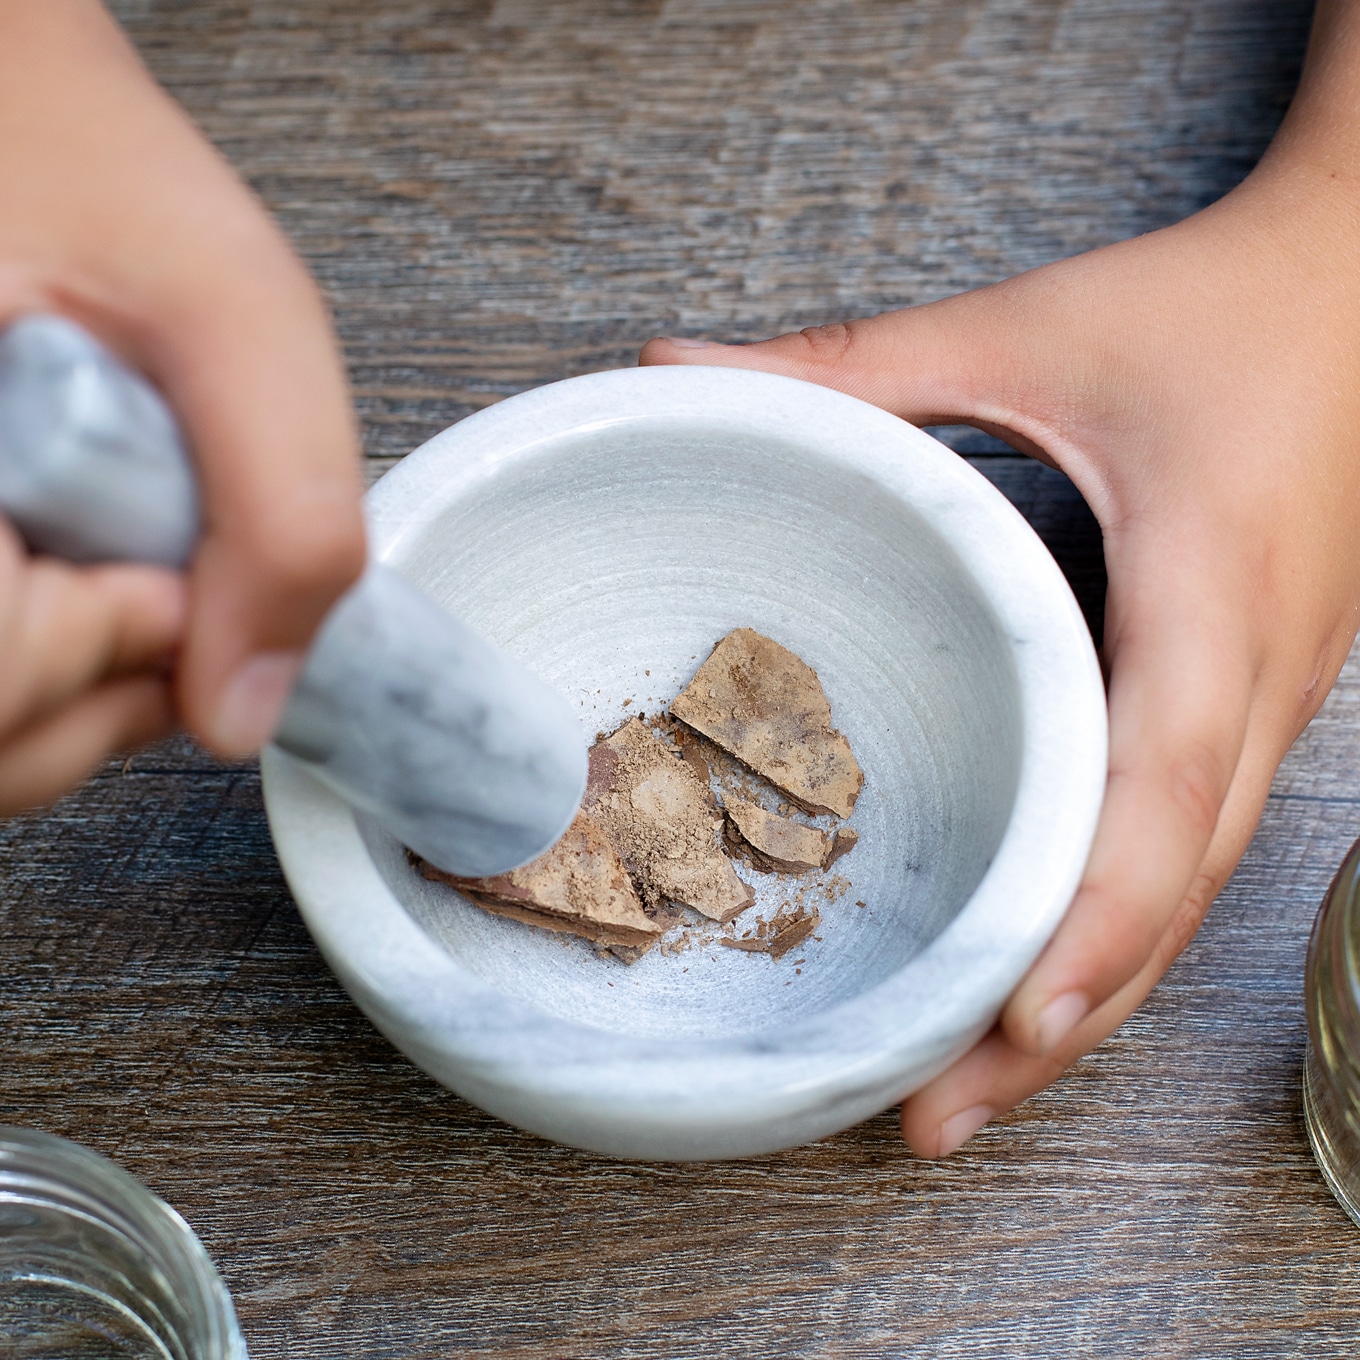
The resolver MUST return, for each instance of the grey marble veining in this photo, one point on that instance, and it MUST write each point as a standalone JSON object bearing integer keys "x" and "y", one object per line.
{"x": 612, "y": 528}
{"x": 459, "y": 751}
{"x": 92, "y": 467}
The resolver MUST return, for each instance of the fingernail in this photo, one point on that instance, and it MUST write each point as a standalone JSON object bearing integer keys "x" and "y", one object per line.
{"x": 252, "y": 702}
{"x": 682, "y": 343}
{"x": 1058, "y": 1019}
{"x": 959, "y": 1128}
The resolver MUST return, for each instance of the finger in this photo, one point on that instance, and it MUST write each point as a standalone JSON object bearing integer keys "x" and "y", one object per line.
{"x": 1180, "y": 696}
{"x": 260, "y": 386}
{"x": 894, "y": 360}
{"x": 997, "y": 1075}
{"x": 953, "y": 361}
{"x": 54, "y": 755}
{"x": 66, "y": 628}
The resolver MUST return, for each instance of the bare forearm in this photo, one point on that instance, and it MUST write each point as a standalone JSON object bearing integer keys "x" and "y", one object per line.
{"x": 1308, "y": 183}
{"x": 1323, "y": 124}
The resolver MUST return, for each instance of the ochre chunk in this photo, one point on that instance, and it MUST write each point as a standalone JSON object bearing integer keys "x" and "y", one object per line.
{"x": 647, "y": 844}
{"x": 842, "y": 843}
{"x": 776, "y": 937}
{"x": 663, "y": 822}
{"x": 777, "y": 844}
{"x": 765, "y": 705}
{"x": 579, "y": 886}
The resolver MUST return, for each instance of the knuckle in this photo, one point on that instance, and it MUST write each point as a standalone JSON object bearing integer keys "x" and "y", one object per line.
{"x": 1329, "y": 657}
{"x": 829, "y": 344}
{"x": 1198, "y": 784}
{"x": 1185, "y": 921}
{"x": 1129, "y": 934}
{"x": 310, "y": 558}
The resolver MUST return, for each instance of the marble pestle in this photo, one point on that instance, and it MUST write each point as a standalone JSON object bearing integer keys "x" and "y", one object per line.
{"x": 460, "y": 752}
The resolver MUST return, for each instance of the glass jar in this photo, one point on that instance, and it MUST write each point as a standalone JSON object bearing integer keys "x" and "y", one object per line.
{"x": 1331, "y": 1070}
{"x": 94, "y": 1266}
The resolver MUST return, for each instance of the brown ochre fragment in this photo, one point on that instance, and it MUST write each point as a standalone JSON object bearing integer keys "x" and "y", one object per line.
{"x": 579, "y": 886}
{"x": 781, "y": 933}
{"x": 842, "y": 843}
{"x": 775, "y": 844}
{"x": 765, "y": 705}
{"x": 664, "y": 824}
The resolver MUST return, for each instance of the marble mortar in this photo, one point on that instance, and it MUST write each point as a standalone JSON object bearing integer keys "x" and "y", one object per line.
{"x": 607, "y": 531}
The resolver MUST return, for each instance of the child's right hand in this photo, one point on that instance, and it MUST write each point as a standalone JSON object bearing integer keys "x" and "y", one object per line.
{"x": 118, "y": 213}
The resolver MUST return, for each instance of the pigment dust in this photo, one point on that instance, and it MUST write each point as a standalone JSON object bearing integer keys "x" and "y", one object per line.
{"x": 664, "y": 823}
{"x": 653, "y": 841}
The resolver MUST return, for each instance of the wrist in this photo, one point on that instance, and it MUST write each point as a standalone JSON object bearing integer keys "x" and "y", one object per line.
{"x": 46, "y": 39}
{"x": 1290, "y": 232}
{"x": 1314, "y": 159}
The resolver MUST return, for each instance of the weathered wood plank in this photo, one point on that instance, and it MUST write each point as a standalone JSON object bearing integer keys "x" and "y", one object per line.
{"x": 500, "y": 194}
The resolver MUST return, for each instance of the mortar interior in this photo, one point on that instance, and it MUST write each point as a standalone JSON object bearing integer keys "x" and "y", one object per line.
{"x": 611, "y": 561}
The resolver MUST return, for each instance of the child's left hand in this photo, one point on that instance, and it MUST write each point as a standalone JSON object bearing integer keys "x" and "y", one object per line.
{"x": 1201, "y": 385}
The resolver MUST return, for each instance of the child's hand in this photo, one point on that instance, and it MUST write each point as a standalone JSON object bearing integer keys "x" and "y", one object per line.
{"x": 119, "y": 214}
{"x": 86, "y": 656}
{"x": 1201, "y": 385}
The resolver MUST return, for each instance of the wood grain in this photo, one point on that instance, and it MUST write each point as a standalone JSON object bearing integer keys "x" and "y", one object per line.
{"x": 499, "y": 194}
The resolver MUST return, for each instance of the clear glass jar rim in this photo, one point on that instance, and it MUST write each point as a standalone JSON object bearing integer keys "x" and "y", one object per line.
{"x": 81, "y": 1181}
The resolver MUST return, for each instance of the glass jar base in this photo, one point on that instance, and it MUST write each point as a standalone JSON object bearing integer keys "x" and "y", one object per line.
{"x": 1347, "y": 1197}
{"x": 49, "y": 1318}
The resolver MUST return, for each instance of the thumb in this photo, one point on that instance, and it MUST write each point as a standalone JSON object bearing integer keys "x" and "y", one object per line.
{"x": 948, "y": 362}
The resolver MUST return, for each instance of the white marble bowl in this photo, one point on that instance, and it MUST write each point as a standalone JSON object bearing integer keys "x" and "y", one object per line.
{"x": 608, "y": 531}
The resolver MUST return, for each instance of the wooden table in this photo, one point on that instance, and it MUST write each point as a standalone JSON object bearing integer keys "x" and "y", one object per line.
{"x": 501, "y": 194}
